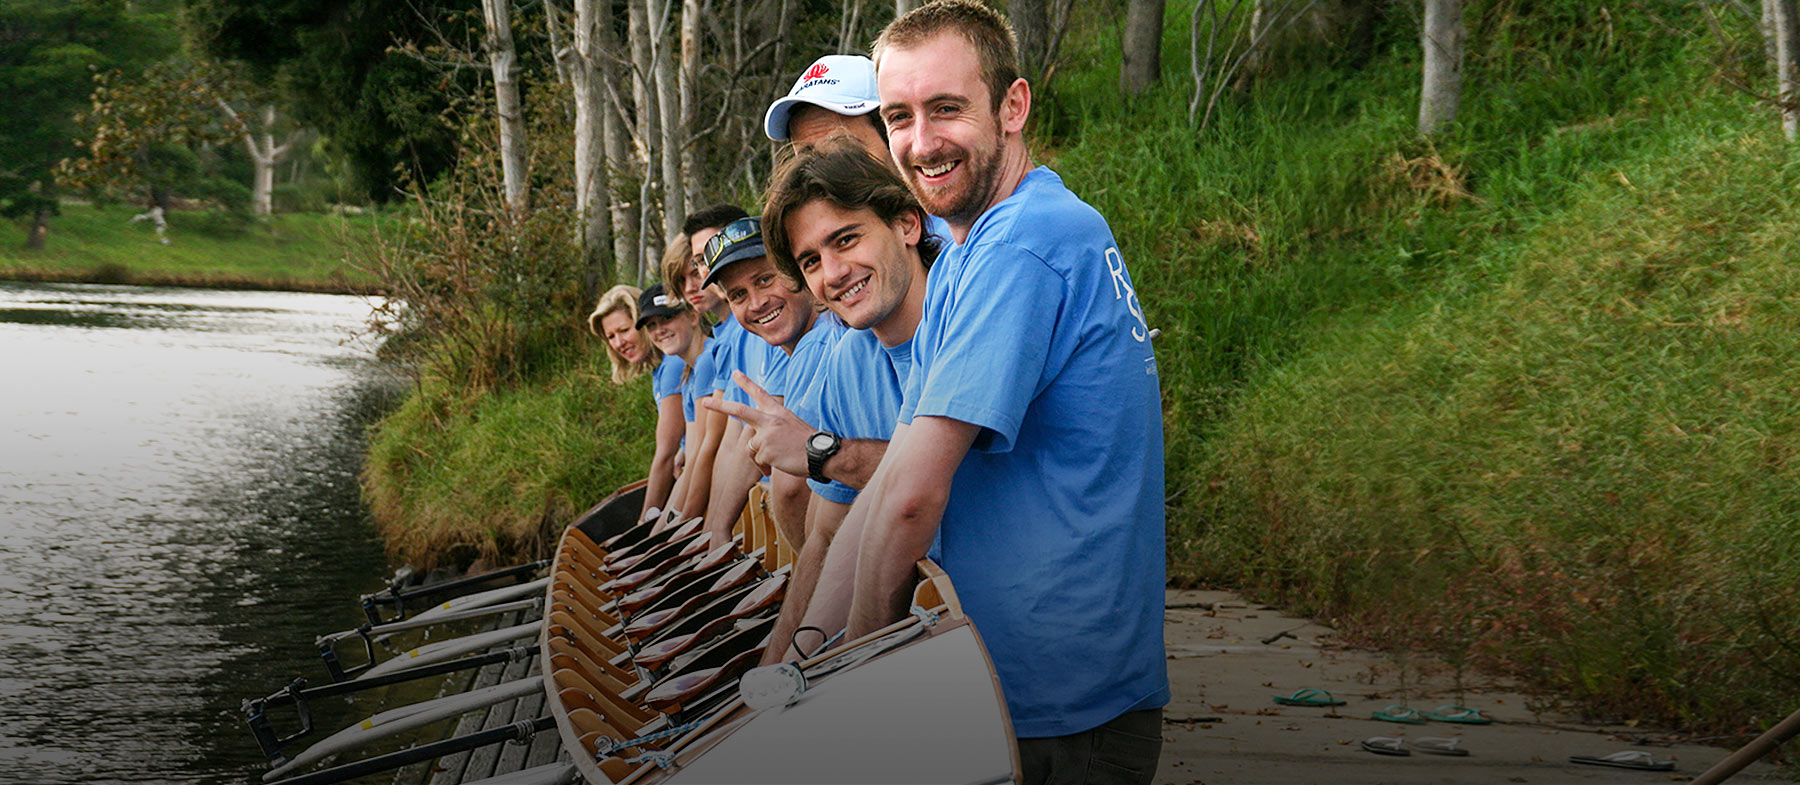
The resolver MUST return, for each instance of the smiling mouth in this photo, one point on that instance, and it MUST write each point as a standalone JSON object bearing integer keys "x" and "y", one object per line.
{"x": 769, "y": 318}
{"x": 853, "y": 290}
{"x": 938, "y": 170}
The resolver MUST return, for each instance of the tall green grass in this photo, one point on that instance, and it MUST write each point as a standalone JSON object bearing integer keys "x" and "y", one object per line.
{"x": 457, "y": 474}
{"x": 1522, "y": 394}
{"x": 206, "y": 248}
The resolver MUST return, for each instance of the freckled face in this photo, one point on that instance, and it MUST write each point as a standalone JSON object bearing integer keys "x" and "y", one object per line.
{"x": 624, "y": 338}
{"x": 942, "y": 130}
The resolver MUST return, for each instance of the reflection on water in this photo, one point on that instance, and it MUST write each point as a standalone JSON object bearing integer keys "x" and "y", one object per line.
{"x": 178, "y": 518}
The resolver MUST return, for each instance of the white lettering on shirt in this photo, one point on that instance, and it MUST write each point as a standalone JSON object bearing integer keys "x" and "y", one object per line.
{"x": 1115, "y": 264}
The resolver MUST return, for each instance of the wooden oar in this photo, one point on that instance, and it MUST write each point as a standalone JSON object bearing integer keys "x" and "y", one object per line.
{"x": 1758, "y": 747}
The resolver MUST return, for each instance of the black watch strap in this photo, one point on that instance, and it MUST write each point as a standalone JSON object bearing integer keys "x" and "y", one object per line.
{"x": 818, "y": 451}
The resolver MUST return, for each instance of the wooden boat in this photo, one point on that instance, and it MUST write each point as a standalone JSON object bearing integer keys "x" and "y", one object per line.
{"x": 645, "y": 657}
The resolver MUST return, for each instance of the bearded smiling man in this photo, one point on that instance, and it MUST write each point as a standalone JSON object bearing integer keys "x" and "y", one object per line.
{"x": 1028, "y": 460}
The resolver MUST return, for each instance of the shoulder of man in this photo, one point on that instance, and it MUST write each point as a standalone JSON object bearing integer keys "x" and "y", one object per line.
{"x": 1043, "y": 217}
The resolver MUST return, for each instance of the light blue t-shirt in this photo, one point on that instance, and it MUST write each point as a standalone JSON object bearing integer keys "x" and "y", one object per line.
{"x": 727, "y": 335}
{"x": 801, "y": 372}
{"x": 1053, "y": 533}
{"x": 666, "y": 379}
{"x": 749, "y": 353}
{"x": 699, "y": 381}
{"x": 939, "y": 228}
{"x": 857, "y": 397}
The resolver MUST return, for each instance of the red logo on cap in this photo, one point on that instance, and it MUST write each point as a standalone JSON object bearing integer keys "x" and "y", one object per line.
{"x": 815, "y": 72}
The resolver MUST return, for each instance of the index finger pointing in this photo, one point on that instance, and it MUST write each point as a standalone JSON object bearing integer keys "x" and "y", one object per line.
{"x": 762, "y": 397}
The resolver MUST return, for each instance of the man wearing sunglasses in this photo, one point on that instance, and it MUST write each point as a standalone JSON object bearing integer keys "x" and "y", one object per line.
{"x": 783, "y": 315}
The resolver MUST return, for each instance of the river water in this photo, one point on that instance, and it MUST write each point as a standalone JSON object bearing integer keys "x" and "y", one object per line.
{"x": 178, "y": 518}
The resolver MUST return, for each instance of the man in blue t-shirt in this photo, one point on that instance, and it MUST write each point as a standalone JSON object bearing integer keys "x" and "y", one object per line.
{"x": 1031, "y": 444}
{"x": 779, "y": 317}
{"x": 843, "y": 223}
{"x": 711, "y": 428}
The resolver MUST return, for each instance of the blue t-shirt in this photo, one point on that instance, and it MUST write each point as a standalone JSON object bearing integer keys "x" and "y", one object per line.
{"x": 755, "y": 357}
{"x": 728, "y": 335}
{"x": 699, "y": 381}
{"x": 857, "y": 397}
{"x": 1053, "y": 533}
{"x": 801, "y": 372}
{"x": 666, "y": 379}
{"x": 939, "y": 228}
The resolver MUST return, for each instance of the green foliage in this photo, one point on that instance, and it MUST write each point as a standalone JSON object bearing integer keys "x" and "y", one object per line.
{"x": 47, "y": 49}
{"x": 455, "y": 475}
{"x": 289, "y": 252}
{"x": 1514, "y": 395}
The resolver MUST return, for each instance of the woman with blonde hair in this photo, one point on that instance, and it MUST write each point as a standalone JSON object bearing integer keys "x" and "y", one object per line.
{"x": 615, "y": 320}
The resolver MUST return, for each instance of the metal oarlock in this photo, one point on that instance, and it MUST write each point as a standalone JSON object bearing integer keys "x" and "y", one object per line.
{"x": 256, "y": 710}
{"x": 396, "y": 597}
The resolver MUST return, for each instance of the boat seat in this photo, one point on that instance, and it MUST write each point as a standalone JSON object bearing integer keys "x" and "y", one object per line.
{"x": 564, "y": 640}
{"x": 578, "y": 692}
{"x": 671, "y": 694}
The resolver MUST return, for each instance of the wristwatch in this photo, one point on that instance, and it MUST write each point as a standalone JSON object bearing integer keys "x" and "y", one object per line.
{"x": 819, "y": 449}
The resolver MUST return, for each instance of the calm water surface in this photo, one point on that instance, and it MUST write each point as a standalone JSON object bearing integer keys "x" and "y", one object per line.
{"x": 178, "y": 518}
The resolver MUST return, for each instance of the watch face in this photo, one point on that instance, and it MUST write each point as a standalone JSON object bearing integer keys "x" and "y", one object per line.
{"x": 820, "y": 441}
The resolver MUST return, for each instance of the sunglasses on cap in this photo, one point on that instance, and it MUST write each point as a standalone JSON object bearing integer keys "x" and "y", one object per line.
{"x": 735, "y": 232}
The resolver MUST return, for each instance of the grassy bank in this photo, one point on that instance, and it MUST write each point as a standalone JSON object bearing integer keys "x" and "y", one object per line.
{"x": 297, "y": 251}
{"x": 1524, "y": 394}
{"x": 455, "y": 475}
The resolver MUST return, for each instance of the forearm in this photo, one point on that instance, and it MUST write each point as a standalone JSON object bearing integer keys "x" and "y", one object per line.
{"x": 661, "y": 481}
{"x": 733, "y": 474}
{"x": 669, "y": 427}
{"x": 828, "y": 607}
{"x": 855, "y": 462}
{"x": 824, "y": 520}
{"x": 788, "y": 501}
{"x": 701, "y": 467}
{"x": 912, "y": 488}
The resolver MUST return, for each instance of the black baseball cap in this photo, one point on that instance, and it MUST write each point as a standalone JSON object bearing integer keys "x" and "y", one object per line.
{"x": 653, "y": 304}
{"x": 739, "y": 240}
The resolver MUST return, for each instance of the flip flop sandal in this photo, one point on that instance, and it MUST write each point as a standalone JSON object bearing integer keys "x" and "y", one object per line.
{"x": 1385, "y": 745}
{"x": 1308, "y": 697}
{"x": 1462, "y": 714}
{"x": 1399, "y": 713}
{"x": 1626, "y": 759}
{"x": 1438, "y": 745}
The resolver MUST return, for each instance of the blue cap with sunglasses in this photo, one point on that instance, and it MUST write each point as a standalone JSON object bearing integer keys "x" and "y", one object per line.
{"x": 739, "y": 240}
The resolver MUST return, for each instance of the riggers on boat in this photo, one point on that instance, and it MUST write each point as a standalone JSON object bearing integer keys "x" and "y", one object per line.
{"x": 645, "y": 657}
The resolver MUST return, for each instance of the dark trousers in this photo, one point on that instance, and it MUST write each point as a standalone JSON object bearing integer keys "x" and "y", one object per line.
{"x": 1121, "y": 752}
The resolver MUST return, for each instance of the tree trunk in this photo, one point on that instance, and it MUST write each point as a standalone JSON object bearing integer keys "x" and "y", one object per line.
{"x": 614, "y": 137}
{"x": 1787, "y": 49}
{"x": 669, "y": 127}
{"x": 689, "y": 82}
{"x": 40, "y": 228}
{"x": 1441, "y": 88}
{"x": 497, "y": 14}
{"x": 649, "y": 130}
{"x": 1771, "y": 48}
{"x": 1030, "y": 21}
{"x": 593, "y": 229}
{"x": 1142, "y": 47}
{"x": 902, "y": 7}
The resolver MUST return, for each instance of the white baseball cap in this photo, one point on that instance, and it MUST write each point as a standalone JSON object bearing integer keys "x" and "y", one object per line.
{"x": 842, "y": 83}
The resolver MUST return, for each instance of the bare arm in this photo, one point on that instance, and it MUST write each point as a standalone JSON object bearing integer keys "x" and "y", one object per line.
{"x": 670, "y": 425}
{"x": 855, "y": 462}
{"x": 824, "y": 517}
{"x": 712, "y": 426}
{"x": 904, "y": 517}
{"x": 733, "y": 474}
{"x": 829, "y": 606}
{"x": 788, "y": 500}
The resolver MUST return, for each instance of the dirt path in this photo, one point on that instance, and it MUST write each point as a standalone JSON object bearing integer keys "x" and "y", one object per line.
{"x": 1223, "y": 729}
